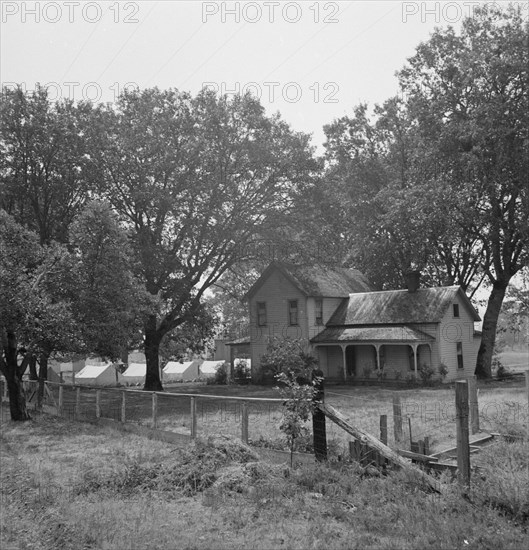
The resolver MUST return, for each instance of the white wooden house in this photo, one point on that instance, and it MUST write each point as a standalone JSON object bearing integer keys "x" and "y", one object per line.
{"x": 358, "y": 333}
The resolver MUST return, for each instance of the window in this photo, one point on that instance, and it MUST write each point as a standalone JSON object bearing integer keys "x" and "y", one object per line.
{"x": 292, "y": 312}
{"x": 261, "y": 314}
{"x": 459, "y": 355}
{"x": 456, "y": 309}
{"x": 319, "y": 311}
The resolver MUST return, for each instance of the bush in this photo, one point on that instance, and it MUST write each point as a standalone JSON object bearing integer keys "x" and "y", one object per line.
{"x": 221, "y": 376}
{"x": 241, "y": 372}
{"x": 426, "y": 372}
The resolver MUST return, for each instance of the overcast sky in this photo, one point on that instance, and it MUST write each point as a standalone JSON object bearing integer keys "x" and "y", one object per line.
{"x": 312, "y": 61}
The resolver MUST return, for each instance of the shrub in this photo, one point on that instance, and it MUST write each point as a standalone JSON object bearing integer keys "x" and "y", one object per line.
{"x": 426, "y": 372}
{"x": 442, "y": 369}
{"x": 366, "y": 371}
{"x": 221, "y": 376}
{"x": 241, "y": 370}
{"x": 285, "y": 355}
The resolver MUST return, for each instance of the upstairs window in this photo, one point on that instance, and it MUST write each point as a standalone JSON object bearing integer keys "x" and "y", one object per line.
{"x": 261, "y": 314}
{"x": 292, "y": 312}
{"x": 319, "y": 311}
{"x": 455, "y": 308}
{"x": 459, "y": 349}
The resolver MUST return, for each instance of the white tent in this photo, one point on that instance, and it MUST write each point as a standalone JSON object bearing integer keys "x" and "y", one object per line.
{"x": 175, "y": 371}
{"x": 93, "y": 375}
{"x": 209, "y": 368}
{"x": 135, "y": 374}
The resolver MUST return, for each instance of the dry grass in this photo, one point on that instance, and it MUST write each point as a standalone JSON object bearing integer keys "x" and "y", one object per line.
{"x": 67, "y": 485}
{"x": 429, "y": 411}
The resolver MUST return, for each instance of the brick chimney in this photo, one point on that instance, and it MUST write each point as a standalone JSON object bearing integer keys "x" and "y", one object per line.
{"x": 413, "y": 280}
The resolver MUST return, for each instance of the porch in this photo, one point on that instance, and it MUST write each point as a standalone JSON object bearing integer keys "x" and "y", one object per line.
{"x": 354, "y": 354}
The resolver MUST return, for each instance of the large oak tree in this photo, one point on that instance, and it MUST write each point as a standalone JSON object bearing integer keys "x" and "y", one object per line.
{"x": 195, "y": 179}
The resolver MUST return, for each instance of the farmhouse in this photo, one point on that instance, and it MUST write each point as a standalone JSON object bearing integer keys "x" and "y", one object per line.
{"x": 357, "y": 333}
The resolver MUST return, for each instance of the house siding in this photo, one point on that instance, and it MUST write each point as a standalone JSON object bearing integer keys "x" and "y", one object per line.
{"x": 457, "y": 329}
{"x": 329, "y": 306}
{"x": 276, "y": 291}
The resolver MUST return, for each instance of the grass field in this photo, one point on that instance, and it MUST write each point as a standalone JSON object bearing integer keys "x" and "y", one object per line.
{"x": 67, "y": 485}
{"x": 515, "y": 360}
{"x": 428, "y": 411}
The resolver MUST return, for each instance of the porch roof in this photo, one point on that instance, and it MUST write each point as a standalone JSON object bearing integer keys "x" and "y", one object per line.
{"x": 394, "y": 333}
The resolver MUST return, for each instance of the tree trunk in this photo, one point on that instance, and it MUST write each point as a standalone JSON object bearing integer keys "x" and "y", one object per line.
{"x": 15, "y": 388}
{"x": 152, "y": 347}
{"x": 17, "y": 398}
{"x": 43, "y": 376}
{"x": 488, "y": 337}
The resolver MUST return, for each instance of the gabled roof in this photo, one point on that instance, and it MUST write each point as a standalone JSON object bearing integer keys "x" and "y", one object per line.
{"x": 337, "y": 282}
{"x": 394, "y": 333}
{"x": 135, "y": 369}
{"x": 393, "y": 307}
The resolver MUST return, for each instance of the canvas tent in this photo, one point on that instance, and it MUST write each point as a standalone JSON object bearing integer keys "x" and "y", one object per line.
{"x": 175, "y": 371}
{"x": 135, "y": 374}
{"x": 93, "y": 375}
{"x": 209, "y": 368}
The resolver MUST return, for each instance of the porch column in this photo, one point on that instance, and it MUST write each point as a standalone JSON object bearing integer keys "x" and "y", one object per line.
{"x": 344, "y": 361}
{"x": 415, "y": 358}
{"x": 377, "y": 346}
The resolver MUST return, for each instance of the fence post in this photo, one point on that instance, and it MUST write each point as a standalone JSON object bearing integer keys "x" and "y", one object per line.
{"x": 319, "y": 432}
{"x": 193, "y": 418}
{"x": 527, "y": 392}
{"x": 384, "y": 429}
{"x": 244, "y": 422}
{"x": 463, "y": 447}
{"x": 397, "y": 419}
{"x": 154, "y": 409}
{"x": 61, "y": 400}
{"x": 473, "y": 402}
{"x": 98, "y": 403}
{"x": 123, "y": 405}
{"x": 77, "y": 401}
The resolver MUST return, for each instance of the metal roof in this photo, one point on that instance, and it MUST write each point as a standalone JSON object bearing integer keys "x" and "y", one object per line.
{"x": 316, "y": 280}
{"x": 394, "y": 333}
{"x": 393, "y": 307}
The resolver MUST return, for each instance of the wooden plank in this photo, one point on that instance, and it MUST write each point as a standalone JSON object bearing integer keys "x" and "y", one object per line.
{"x": 462, "y": 434}
{"x": 339, "y": 419}
{"x": 123, "y": 406}
{"x": 77, "y": 401}
{"x": 154, "y": 410}
{"x": 473, "y": 404}
{"x": 244, "y": 422}
{"x": 397, "y": 419}
{"x": 417, "y": 456}
{"x": 473, "y": 441}
{"x": 384, "y": 429}
{"x": 193, "y": 418}
{"x": 98, "y": 403}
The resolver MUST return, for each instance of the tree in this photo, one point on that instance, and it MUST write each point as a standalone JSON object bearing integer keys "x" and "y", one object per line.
{"x": 28, "y": 313}
{"x": 469, "y": 97}
{"x": 45, "y": 178}
{"x": 107, "y": 300}
{"x": 437, "y": 179}
{"x": 56, "y": 301}
{"x": 290, "y": 364}
{"x": 194, "y": 179}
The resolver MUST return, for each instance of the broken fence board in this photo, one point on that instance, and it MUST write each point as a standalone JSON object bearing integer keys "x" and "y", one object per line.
{"x": 359, "y": 434}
